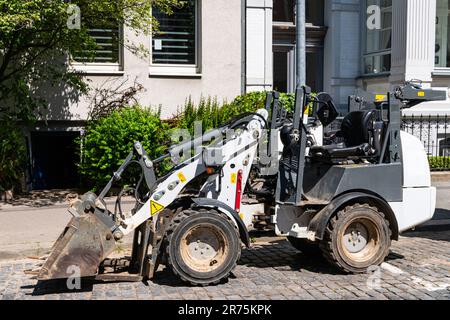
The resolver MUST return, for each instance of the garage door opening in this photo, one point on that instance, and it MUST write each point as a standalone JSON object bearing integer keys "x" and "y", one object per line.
{"x": 54, "y": 159}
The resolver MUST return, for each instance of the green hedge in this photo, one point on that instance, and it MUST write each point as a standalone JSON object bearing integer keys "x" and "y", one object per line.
{"x": 212, "y": 114}
{"x": 108, "y": 141}
{"x": 439, "y": 163}
{"x": 12, "y": 155}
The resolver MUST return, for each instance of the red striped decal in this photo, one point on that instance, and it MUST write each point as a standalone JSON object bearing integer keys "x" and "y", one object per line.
{"x": 237, "y": 204}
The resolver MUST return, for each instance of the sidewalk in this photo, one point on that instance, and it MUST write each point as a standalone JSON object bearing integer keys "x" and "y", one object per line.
{"x": 30, "y": 225}
{"x": 40, "y": 199}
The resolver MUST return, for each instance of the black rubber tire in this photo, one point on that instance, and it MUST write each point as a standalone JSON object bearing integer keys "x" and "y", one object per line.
{"x": 183, "y": 222}
{"x": 305, "y": 246}
{"x": 333, "y": 248}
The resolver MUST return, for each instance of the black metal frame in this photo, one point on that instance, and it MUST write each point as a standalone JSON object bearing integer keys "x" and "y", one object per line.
{"x": 291, "y": 167}
{"x": 391, "y": 152}
{"x": 145, "y": 163}
{"x": 141, "y": 266}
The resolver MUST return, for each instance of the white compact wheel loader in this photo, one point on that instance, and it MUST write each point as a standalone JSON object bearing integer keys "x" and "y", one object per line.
{"x": 343, "y": 193}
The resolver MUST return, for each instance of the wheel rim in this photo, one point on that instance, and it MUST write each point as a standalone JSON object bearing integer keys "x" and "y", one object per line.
{"x": 204, "y": 248}
{"x": 360, "y": 240}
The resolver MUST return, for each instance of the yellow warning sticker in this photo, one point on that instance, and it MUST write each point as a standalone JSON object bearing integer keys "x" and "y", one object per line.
{"x": 233, "y": 178}
{"x": 421, "y": 93}
{"x": 155, "y": 207}
{"x": 380, "y": 97}
{"x": 181, "y": 177}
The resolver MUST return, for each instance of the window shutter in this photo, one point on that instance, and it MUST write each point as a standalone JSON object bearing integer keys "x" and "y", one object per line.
{"x": 175, "y": 42}
{"x": 108, "y": 47}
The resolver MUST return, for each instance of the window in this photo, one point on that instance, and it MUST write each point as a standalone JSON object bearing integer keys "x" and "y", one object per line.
{"x": 176, "y": 41}
{"x": 377, "y": 55}
{"x": 108, "y": 46}
{"x": 284, "y": 39}
{"x": 444, "y": 147}
{"x": 442, "y": 56}
{"x": 284, "y": 11}
{"x": 314, "y": 12}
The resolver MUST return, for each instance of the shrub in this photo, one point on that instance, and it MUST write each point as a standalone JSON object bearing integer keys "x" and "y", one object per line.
{"x": 439, "y": 163}
{"x": 109, "y": 140}
{"x": 12, "y": 155}
{"x": 212, "y": 114}
{"x": 208, "y": 111}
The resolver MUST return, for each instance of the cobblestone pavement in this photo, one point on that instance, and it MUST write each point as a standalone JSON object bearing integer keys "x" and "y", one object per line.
{"x": 417, "y": 268}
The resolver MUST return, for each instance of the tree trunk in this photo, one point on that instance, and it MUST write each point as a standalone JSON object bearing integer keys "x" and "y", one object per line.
{"x": 7, "y": 195}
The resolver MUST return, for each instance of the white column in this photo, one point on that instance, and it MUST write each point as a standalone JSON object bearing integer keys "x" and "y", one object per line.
{"x": 259, "y": 58}
{"x": 342, "y": 54}
{"x": 413, "y": 40}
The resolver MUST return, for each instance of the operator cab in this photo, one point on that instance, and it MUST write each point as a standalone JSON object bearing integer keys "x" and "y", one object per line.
{"x": 357, "y": 140}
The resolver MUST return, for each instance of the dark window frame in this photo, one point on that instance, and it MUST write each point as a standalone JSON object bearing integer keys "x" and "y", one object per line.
{"x": 196, "y": 46}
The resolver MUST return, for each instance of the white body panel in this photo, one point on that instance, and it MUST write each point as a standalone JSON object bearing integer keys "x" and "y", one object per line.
{"x": 417, "y": 207}
{"x": 416, "y": 170}
{"x": 188, "y": 174}
{"x": 317, "y": 132}
{"x": 238, "y": 155}
{"x": 419, "y": 197}
{"x": 248, "y": 213}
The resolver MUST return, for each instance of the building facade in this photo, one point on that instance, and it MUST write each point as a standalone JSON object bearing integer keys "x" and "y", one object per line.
{"x": 224, "y": 48}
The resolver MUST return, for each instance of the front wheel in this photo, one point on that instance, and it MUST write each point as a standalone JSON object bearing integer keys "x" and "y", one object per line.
{"x": 202, "y": 246}
{"x": 356, "y": 238}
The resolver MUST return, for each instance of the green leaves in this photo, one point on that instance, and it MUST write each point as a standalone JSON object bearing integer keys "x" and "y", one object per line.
{"x": 12, "y": 155}
{"x": 35, "y": 44}
{"x": 439, "y": 163}
{"x": 212, "y": 114}
{"x": 109, "y": 140}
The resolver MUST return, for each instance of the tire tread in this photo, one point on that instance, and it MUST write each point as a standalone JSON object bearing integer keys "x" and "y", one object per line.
{"x": 175, "y": 223}
{"x": 326, "y": 244}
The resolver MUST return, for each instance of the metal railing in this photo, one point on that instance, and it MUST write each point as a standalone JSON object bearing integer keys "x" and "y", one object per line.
{"x": 434, "y": 132}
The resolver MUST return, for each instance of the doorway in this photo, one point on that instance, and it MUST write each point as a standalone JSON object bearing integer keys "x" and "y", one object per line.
{"x": 314, "y": 70}
{"x": 54, "y": 159}
{"x": 284, "y": 38}
{"x": 284, "y": 68}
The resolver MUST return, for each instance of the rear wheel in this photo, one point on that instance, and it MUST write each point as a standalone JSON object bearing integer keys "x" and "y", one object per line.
{"x": 202, "y": 246}
{"x": 305, "y": 246}
{"x": 356, "y": 238}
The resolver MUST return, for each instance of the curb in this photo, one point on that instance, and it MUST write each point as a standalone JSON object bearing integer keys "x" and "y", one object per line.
{"x": 440, "y": 176}
{"x": 24, "y": 251}
{"x": 51, "y": 206}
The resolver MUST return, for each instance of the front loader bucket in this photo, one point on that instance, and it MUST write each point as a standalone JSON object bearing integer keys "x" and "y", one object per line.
{"x": 79, "y": 250}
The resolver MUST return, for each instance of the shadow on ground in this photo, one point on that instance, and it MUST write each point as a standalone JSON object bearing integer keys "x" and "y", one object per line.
{"x": 39, "y": 199}
{"x": 59, "y": 286}
{"x": 277, "y": 254}
{"x": 433, "y": 230}
{"x": 284, "y": 257}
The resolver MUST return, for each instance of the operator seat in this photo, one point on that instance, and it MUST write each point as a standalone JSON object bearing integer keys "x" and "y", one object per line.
{"x": 356, "y": 131}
